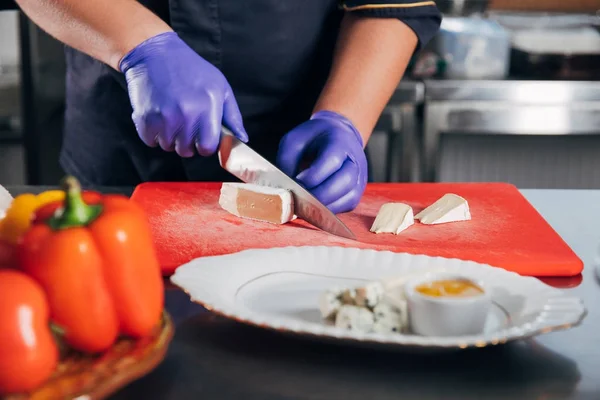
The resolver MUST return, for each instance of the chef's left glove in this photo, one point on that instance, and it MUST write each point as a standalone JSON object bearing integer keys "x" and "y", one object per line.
{"x": 337, "y": 169}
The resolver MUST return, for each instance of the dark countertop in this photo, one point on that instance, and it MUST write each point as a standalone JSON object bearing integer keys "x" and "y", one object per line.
{"x": 213, "y": 358}
{"x": 16, "y": 190}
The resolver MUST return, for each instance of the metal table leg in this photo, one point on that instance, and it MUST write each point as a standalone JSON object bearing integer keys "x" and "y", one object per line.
{"x": 403, "y": 152}
{"x": 410, "y": 150}
{"x": 433, "y": 118}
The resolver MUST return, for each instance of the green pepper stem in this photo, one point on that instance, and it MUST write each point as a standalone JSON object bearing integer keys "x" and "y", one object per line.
{"x": 75, "y": 212}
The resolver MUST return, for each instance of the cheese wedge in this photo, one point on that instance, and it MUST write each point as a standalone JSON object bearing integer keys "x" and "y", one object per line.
{"x": 390, "y": 318}
{"x": 330, "y": 303}
{"x": 369, "y": 295}
{"x": 259, "y": 203}
{"x": 355, "y": 318}
{"x": 449, "y": 208}
{"x": 5, "y": 201}
{"x": 393, "y": 218}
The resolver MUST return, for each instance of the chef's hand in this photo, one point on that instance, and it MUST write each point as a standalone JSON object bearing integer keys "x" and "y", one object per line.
{"x": 337, "y": 173}
{"x": 179, "y": 99}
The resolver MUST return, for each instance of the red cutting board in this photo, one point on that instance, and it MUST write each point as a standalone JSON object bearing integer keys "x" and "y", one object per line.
{"x": 505, "y": 231}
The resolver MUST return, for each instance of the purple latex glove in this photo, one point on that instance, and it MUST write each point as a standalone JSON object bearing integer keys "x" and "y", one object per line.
{"x": 337, "y": 174}
{"x": 179, "y": 99}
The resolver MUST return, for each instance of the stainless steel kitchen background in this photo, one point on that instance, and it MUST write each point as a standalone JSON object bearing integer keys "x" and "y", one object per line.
{"x": 499, "y": 96}
{"x": 31, "y": 102}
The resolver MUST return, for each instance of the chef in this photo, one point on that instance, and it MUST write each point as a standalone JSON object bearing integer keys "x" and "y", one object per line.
{"x": 150, "y": 82}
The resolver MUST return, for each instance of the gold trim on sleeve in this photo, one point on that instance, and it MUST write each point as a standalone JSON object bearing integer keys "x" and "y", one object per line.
{"x": 374, "y": 6}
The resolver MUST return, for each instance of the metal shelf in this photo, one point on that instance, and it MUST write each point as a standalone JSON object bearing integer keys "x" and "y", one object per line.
{"x": 10, "y": 136}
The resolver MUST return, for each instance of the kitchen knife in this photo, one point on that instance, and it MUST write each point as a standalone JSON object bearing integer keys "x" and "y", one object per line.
{"x": 250, "y": 167}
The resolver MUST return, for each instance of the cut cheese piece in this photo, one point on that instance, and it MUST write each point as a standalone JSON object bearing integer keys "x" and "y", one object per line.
{"x": 390, "y": 318}
{"x": 260, "y": 203}
{"x": 393, "y": 218}
{"x": 348, "y": 297}
{"x": 355, "y": 319}
{"x": 5, "y": 201}
{"x": 369, "y": 295}
{"x": 330, "y": 303}
{"x": 449, "y": 208}
{"x": 365, "y": 296}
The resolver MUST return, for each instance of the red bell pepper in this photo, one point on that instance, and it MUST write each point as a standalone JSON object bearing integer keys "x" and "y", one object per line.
{"x": 7, "y": 255}
{"x": 98, "y": 266}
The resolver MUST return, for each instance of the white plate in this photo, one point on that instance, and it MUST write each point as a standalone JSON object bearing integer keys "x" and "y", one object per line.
{"x": 278, "y": 289}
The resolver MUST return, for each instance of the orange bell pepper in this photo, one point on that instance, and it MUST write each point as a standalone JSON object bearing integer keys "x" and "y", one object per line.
{"x": 46, "y": 210}
{"x": 98, "y": 266}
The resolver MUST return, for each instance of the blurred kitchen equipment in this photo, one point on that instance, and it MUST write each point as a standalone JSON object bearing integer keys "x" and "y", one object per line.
{"x": 518, "y": 21}
{"x": 553, "y": 46}
{"x": 465, "y": 48}
{"x": 559, "y": 54}
{"x": 461, "y": 8}
{"x": 563, "y": 6}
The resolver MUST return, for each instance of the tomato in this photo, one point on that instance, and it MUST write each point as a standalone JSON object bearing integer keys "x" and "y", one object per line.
{"x": 28, "y": 353}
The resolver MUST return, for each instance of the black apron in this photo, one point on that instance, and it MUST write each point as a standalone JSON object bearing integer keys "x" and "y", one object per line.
{"x": 275, "y": 54}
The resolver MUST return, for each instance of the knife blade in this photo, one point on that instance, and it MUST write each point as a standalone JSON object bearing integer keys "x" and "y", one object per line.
{"x": 250, "y": 167}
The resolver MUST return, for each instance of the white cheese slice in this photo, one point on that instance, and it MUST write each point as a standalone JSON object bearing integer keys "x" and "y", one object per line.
{"x": 449, "y": 208}
{"x": 330, "y": 303}
{"x": 393, "y": 218}
{"x": 354, "y": 318}
{"x": 5, "y": 201}
{"x": 348, "y": 297}
{"x": 369, "y": 295}
{"x": 390, "y": 318}
{"x": 261, "y": 203}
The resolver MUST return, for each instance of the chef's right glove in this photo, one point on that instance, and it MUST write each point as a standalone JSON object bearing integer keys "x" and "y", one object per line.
{"x": 179, "y": 99}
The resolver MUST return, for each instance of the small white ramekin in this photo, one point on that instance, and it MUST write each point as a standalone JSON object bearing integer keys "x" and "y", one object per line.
{"x": 446, "y": 316}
